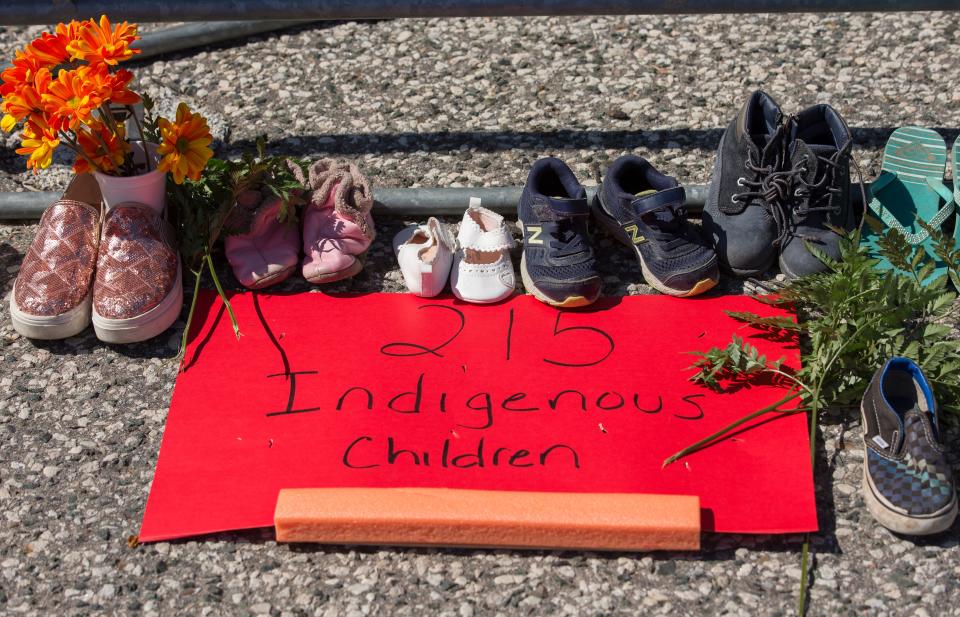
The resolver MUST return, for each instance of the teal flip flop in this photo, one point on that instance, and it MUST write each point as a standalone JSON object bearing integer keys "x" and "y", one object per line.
{"x": 910, "y": 188}
{"x": 956, "y": 187}
{"x": 956, "y": 197}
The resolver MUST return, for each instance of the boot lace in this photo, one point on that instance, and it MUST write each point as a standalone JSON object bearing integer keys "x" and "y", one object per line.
{"x": 819, "y": 196}
{"x": 770, "y": 186}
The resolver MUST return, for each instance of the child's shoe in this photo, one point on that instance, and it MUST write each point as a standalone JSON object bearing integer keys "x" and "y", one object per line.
{"x": 138, "y": 291}
{"x": 643, "y": 209}
{"x": 558, "y": 266}
{"x": 337, "y": 226}
{"x": 51, "y": 296}
{"x": 482, "y": 270}
{"x": 270, "y": 251}
{"x": 425, "y": 254}
{"x": 907, "y": 483}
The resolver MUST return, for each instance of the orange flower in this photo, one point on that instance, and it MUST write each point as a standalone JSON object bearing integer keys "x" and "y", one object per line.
{"x": 23, "y": 72}
{"x": 104, "y": 43}
{"x": 51, "y": 49}
{"x": 45, "y": 52}
{"x": 184, "y": 144}
{"x": 38, "y": 141}
{"x": 102, "y": 146}
{"x": 70, "y": 100}
{"x": 27, "y": 100}
{"x": 110, "y": 86}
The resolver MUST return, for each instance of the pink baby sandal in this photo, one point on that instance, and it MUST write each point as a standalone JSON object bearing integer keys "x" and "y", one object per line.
{"x": 337, "y": 226}
{"x": 270, "y": 251}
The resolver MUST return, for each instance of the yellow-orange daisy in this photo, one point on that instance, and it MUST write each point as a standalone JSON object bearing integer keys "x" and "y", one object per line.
{"x": 184, "y": 144}
{"x": 103, "y": 43}
{"x": 70, "y": 100}
{"x": 38, "y": 142}
{"x": 51, "y": 49}
{"x": 21, "y": 73}
{"x": 110, "y": 86}
{"x": 25, "y": 101}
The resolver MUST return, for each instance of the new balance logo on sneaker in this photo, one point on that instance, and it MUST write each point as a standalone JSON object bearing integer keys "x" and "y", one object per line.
{"x": 634, "y": 232}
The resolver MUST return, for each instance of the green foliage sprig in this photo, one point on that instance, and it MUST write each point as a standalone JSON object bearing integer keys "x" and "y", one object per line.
{"x": 208, "y": 209}
{"x": 851, "y": 319}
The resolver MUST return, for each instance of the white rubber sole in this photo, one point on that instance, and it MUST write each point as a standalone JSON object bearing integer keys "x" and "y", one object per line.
{"x": 463, "y": 298}
{"x": 894, "y": 519}
{"x": 61, "y": 326}
{"x": 145, "y": 326}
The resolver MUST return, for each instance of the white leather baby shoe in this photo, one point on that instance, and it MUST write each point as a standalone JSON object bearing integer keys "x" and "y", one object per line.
{"x": 482, "y": 270}
{"x": 425, "y": 254}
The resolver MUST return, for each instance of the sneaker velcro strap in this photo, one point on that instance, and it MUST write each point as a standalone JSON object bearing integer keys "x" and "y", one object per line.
{"x": 569, "y": 207}
{"x": 669, "y": 198}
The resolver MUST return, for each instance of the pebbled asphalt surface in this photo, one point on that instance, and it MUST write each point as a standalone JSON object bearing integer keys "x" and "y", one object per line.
{"x": 457, "y": 102}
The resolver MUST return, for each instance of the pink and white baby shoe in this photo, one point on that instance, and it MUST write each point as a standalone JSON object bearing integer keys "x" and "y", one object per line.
{"x": 270, "y": 251}
{"x": 482, "y": 270}
{"x": 337, "y": 226}
{"x": 425, "y": 255}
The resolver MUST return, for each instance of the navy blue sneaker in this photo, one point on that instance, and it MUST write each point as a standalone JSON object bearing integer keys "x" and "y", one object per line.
{"x": 558, "y": 266}
{"x": 643, "y": 209}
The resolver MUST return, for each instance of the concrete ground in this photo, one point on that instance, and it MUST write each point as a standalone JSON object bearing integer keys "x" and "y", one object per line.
{"x": 457, "y": 102}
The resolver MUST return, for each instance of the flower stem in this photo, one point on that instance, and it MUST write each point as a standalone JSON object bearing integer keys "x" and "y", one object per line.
{"x": 73, "y": 145}
{"x": 790, "y": 377}
{"x": 775, "y": 407}
{"x": 814, "y": 412}
{"x": 143, "y": 138}
{"x": 223, "y": 296}
{"x": 108, "y": 118}
{"x": 193, "y": 305}
{"x": 804, "y": 561}
{"x": 805, "y": 553}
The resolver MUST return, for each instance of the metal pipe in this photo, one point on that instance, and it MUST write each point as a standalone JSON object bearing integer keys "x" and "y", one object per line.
{"x": 51, "y": 11}
{"x": 416, "y": 203}
{"x": 421, "y": 202}
{"x": 193, "y": 35}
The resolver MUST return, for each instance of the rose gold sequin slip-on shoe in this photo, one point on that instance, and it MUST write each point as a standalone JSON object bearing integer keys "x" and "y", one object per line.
{"x": 138, "y": 291}
{"x": 51, "y": 296}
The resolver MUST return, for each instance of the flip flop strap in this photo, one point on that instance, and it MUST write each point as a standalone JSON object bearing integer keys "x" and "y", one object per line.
{"x": 884, "y": 214}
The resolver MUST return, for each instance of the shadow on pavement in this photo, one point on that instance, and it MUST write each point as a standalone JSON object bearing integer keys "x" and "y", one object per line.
{"x": 494, "y": 141}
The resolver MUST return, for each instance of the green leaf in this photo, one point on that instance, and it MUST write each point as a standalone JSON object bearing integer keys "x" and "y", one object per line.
{"x": 776, "y": 322}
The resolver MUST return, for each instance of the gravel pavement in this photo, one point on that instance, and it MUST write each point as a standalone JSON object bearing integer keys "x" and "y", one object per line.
{"x": 457, "y": 102}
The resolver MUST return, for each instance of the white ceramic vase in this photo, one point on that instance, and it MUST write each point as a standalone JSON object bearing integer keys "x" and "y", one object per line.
{"x": 149, "y": 188}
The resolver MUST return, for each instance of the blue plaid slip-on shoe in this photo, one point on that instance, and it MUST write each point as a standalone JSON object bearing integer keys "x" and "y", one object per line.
{"x": 907, "y": 482}
{"x": 558, "y": 265}
{"x": 643, "y": 209}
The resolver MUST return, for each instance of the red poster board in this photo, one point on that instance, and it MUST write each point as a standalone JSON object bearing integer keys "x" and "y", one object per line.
{"x": 391, "y": 390}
